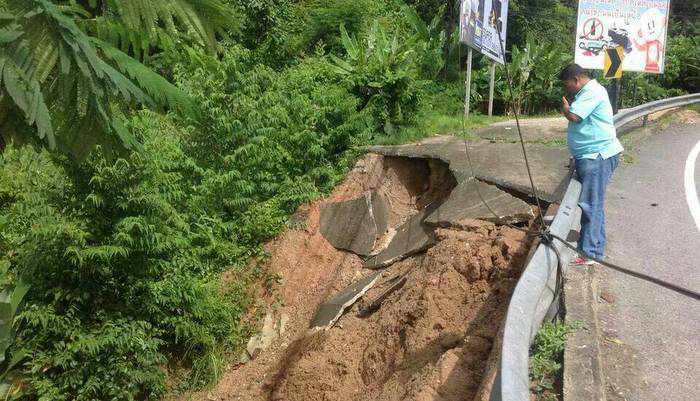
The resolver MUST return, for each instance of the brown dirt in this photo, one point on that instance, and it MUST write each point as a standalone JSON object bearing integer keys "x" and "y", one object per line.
{"x": 429, "y": 341}
{"x": 409, "y": 185}
{"x": 688, "y": 116}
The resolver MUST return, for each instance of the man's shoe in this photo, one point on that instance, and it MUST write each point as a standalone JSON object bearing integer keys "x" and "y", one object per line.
{"x": 581, "y": 261}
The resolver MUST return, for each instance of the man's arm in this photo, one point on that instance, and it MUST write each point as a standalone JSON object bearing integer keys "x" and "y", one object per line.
{"x": 565, "y": 110}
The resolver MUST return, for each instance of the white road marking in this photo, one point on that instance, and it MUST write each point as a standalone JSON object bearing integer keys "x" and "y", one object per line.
{"x": 691, "y": 192}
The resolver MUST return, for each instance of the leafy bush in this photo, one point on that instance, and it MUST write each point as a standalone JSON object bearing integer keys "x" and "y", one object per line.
{"x": 270, "y": 140}
{"x": 388, "y": 68}
{"x": 123, "y": 254}
{"x": 534, "y": 70}
{"x": 272, "y": 29}
{"x": 122, "y": 266}
{"x": 325, "y": 17}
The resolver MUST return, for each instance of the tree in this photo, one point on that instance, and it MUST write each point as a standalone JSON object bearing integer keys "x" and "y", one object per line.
{"x": 61, "y": 69}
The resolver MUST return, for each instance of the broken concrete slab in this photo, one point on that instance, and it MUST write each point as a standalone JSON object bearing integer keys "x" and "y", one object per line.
{"x": 354, "y": 225}
{"x": 411, "y": 237}
{"x": 465, "y": 203}
{"x": 330, "y": 311}
{"x": 499, "y": 163}
{"x": 504, "y": 164}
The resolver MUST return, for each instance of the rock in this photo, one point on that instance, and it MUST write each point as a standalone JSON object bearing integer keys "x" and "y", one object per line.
{"x": 262, "y": 340}
{"x": 607, "y": 297}
{"x": 330, "y": 311}
{"x": 447, "y": 364}
{"x": 355, "y": 225}
{"x": 284, "y": 319}
{"x": 411, "y": 237}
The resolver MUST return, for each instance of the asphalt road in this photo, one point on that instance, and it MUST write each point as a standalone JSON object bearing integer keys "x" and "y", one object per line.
{"x": 651, "y": 332}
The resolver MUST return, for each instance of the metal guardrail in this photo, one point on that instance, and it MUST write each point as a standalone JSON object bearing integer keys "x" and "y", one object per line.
{"x": 533, "y": 296}
{"x": 631, "y": 114}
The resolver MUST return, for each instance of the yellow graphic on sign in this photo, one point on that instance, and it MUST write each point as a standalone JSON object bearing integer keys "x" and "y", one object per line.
{"x": 612, "y": 67}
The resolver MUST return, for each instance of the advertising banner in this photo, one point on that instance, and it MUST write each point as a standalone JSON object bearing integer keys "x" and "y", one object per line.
{"x": 480, "y": 23}
{"x": 639, "y": 26}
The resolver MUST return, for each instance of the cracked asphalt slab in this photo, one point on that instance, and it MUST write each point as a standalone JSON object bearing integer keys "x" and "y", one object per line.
{"x": 651, "y": 344}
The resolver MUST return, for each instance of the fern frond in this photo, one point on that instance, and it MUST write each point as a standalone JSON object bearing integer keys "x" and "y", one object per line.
{"x": 49, "y": 67}
{"x": 140, "y": 24}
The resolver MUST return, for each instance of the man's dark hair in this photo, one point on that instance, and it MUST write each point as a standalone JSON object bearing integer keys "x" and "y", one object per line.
{"x": 572, "y": 71}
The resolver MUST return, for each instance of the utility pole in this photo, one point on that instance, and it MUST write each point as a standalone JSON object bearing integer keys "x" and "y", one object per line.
{"x": 492, "y": 80}
{"x": 468, "y": 82}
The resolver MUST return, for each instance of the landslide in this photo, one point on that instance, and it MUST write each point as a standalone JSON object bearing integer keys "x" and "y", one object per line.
{"x": 432, "y": 339}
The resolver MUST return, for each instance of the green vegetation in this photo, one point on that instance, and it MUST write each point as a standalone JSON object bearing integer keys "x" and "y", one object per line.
{"x": 546, "y": 358}
{"x": 153, "y": 145}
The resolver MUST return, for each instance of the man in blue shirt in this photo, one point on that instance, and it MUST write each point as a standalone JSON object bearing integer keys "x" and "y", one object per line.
{"x": 596, "y": 150}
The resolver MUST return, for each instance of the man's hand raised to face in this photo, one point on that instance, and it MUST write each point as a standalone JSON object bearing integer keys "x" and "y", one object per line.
{"x": 565, "y": 110}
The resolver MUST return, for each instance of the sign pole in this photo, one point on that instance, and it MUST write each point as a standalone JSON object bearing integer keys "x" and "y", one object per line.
{"x": 612, "y": 69}
{"x": 491, "y": 84}
{"x": 618, "y": 95}
{"x": 615, "y": 94}
{"x": 468, "y": 82}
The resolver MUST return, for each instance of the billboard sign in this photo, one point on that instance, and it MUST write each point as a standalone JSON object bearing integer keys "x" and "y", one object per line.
{"x": 480, "y": 24}
{"x": 638, "y": 26}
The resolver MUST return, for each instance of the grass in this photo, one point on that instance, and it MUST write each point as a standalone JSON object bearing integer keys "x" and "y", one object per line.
{"x": 556, "y": 142}
{"x": 437, "y": 122}
{"x": 546, "y": 360}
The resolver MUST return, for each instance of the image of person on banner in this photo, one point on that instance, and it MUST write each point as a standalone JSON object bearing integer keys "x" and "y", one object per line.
{"x": 647, "y": 39}
{"x": 495, "y": 16}
{"x": 469, "y": 16}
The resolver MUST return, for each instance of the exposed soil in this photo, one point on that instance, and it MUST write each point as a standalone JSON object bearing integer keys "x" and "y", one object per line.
{"x": 410, "y": 185}
{"x": 430, "y": 340}
{"x": 688, "y": 116}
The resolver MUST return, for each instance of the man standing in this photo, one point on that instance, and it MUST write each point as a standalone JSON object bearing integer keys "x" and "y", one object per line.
{"x": 596, "y": 150}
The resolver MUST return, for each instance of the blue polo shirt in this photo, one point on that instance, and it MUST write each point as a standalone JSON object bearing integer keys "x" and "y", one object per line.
{"x": 595, "y": 134}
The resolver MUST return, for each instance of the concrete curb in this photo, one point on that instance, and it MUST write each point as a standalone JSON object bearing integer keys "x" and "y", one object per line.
{"x": 583, "y": 365}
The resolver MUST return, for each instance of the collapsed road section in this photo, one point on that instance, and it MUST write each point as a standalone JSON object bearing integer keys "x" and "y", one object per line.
{"x": 422, "y": 323}
{"x": 396, "y": 285}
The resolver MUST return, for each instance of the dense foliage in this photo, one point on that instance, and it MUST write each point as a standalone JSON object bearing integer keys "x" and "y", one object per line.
{"x": 254, "y": 107}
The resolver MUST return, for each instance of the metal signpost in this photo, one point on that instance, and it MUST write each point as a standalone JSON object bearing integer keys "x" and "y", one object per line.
{"x": 480, "y": 23}
{"x": 492, "y": 79}
{"x": 621, "y": 35}
{"x": 612, "y": 69}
